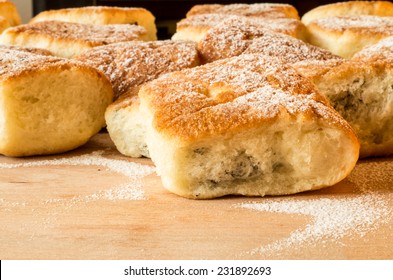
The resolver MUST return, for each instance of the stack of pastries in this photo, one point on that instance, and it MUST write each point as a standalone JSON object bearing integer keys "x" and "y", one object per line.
{"x": 245, "y": 99}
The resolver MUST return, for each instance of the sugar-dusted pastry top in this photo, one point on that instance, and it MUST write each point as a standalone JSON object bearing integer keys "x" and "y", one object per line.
{"x": 266, "y": 10}
{"x": 14, "y": 63}
{"x": 17, "y": 63}
{"x": 346, "y": 36}
{"x": 230, "y": 95}
{"x": 26, "y": 49}
{"x": 230, "y": 39}
{"x": 360, "y": 24}
{"x": 287, "y": 48}
{"x": 383, "y": 50}
{"x": 288, "y": 26}
{"x": 349, "y": 8}
{"x": 99, "y": 15}
{"x": 130, "y": 64}
{"x": 203, "y": 20}
{"x": 93, "y": 34}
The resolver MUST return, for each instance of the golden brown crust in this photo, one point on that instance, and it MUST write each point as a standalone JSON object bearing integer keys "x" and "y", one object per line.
{"x": 27, "y": 62}
{"x": 99, "y": 15}
{"x": 312, "y": 69}
{"x": 232, "y": 94}
{"x": 349, "y": 8}
{"x": 204, "y": 22}
{"x": 131, "y": 64}
{"x": 25, "y": 49}
{"x": 345, "y": 70}
{"x": 103, "y": 14}
{"x": 15, "y": 63}
{"x": 357, "y": 24}
{"x": 265, "y": 10}
{"x": 91, "y": 35}
{"x": 9, "y": 11}
{"x": 230, "y": 39}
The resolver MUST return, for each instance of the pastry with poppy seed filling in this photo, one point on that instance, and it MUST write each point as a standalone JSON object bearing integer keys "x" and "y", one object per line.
{"x": 248, "y": 125}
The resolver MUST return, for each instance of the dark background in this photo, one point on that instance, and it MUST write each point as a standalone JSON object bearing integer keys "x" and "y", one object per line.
{"x": 167, "y": 12}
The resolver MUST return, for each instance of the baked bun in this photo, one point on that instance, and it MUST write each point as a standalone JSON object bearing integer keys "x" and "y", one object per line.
{"x": 9, "y": 11}
{"x": 25, "y": 49}
{"x": 349, "y": 8}
{"x": 361, "y": 92}
{"x": 346, "y": 36}
{"x": 264, "y": 10}
{"x": 48, "y": 104}
{"x": 248, "y": 125}
{"x": 194, "y": 28}
{"x": 129, "y": 65}
{"x": 67, "y": 39}
{"x": 231, "y": 39}
{"x": 103, "y": 15}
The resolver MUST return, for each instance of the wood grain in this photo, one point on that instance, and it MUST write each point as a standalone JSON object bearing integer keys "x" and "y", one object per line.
{"x": 65, "y": 212}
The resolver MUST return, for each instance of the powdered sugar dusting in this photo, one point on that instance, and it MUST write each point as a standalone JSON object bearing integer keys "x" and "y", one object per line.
{"x": 14, "y": 61}
{"x": 130, "y": 64}
{"x": 230, "y": 39}
{"x": 381, "y": 50}
{"x": 362, "y": 24}
{"x": 202, "y": 100}
{"x": 266, "y": 10}
{"x": 364, "y": 210}
{"x": 282, "y": 25}
{"x": 95, "y": 35}
{"x": 331, "y": 218}
{"x": 132, "y": 190}
{"x": 125, "y": 192}
{"x": 269, "y": 100}
{"x": 128, "y": 191}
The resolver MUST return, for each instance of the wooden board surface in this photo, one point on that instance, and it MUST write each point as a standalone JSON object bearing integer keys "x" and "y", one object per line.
{"x": 88, "y": 204}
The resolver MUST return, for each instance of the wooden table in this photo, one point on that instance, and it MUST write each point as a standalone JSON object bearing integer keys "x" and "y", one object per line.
{"x": 88, "y": 207}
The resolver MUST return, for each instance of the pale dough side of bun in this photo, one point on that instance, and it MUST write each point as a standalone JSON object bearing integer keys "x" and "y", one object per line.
{"x": 48, "y": 105}
{"x": 68, "y": 39}
{"x": 99, "y": 15}
{"x": 248, "y": 125}
{"x": 127, "y": 126}
{"x": 349, "y": 8}
{"x": 345, "y": 36}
